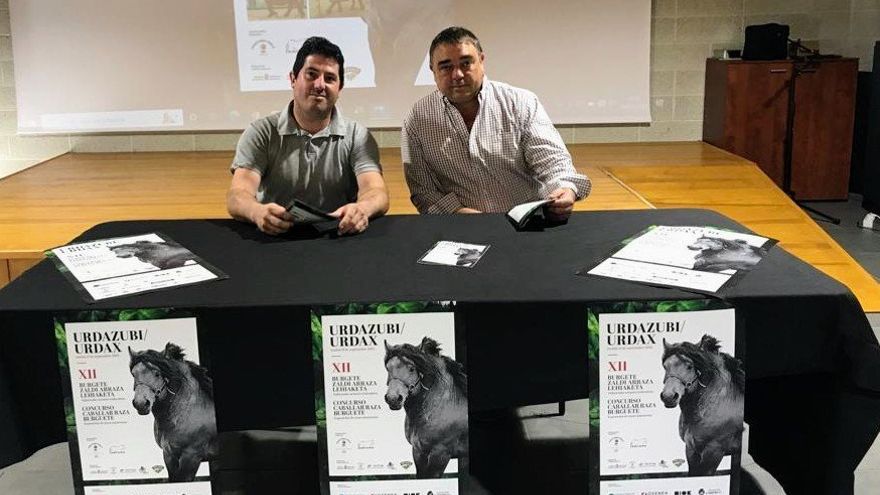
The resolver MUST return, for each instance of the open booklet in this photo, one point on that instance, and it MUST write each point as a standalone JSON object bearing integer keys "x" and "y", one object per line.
{"x": 522, "y": 214}
{"x": 121, "y": 266}
{"x": 703, "y": 259}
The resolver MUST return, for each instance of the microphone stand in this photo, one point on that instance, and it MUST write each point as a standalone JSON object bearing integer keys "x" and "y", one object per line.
{"x": 800, "y": 65}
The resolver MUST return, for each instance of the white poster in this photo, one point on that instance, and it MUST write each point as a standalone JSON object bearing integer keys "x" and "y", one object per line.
{"x": 396, "y": 402}
{"x": 671, "y": 397}
{"x": 269, "y": 33}
{"x": 143, "y": 406}
{"x": 700, "y": 258}
{"x": 128, "y": 265}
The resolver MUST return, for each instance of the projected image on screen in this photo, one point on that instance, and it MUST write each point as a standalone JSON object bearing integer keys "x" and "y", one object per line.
{"x": 194, "y": 65}
{"x": 261, "y": 10}
{"x": 376, "y": 39}
{"x": 268, "y": 45}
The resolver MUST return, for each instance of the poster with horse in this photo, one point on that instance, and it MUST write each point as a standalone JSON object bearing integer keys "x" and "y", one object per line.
{"x": 139, "y": 405}
{"x": 108, "y": 268}
{"x": 702, "y": 259}
{"x": 391, "y": 398}
{"x": 666, "y": 399}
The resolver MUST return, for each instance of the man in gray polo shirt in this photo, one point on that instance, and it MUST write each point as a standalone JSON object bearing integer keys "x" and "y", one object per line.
{"x": 309, "y": 152}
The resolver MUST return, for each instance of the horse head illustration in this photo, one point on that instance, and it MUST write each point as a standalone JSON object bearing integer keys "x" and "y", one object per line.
{"x": 467, "y": 256}
{"x": 709, "y": 387}
{"x": 717, "y": 254}
{"x": 432, "y": 389}
{"x": 162, "y": 255}
{"x": 180, "y": 394}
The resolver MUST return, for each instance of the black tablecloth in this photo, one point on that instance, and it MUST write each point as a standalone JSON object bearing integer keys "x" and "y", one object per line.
{"x": 812, "y": 362}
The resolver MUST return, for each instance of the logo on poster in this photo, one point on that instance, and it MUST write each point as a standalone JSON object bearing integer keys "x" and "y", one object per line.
{"x": 95, "y": 449}
{"x": 615, "y": 443}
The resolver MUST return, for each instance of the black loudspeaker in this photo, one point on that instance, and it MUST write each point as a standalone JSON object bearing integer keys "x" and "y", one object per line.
{"x": 871, "y": 170}
{"x": 766, "y": 42}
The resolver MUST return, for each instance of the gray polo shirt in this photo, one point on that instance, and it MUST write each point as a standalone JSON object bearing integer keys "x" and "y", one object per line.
{"x": 320, "y": 169}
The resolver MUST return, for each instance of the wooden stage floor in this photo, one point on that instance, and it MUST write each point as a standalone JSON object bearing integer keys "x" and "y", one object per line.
{"x": 51, "y": 203}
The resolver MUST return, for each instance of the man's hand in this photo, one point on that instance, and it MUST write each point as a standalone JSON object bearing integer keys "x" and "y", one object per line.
{"x": 242, "y": 204}
{"x": 467, "y": 210}
{"x": 272, "y": 218}
{"x": 563, "y": 202}
{"x": 352, "y": 218}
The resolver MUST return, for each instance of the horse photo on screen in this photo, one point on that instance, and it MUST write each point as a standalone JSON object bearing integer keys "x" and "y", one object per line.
{"x": 180, "y": 394}
{"x": 709, "y": 387}
{"x": 432, "y": 389}
{"x": 162, "y": 255}
{"x": 717, "y": 254}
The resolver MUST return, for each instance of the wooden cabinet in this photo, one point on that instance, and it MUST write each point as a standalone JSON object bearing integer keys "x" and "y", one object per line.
{"x": 746, "y": 112}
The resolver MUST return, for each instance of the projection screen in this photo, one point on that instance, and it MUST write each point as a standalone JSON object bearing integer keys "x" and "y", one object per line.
{"x": 199, "y": 65}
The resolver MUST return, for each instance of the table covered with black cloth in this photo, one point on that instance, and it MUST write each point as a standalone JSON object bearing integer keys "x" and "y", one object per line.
{"x": 812, "y": 361}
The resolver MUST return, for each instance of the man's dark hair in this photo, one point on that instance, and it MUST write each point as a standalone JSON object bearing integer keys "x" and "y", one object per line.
{"x": 317, "y": 45}
{"x": 452, "y": 36}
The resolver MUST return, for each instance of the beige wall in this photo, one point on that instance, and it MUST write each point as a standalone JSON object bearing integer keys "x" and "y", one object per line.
{"x": 684, "y": 34}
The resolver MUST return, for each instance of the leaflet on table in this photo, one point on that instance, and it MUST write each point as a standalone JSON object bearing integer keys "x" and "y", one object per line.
{"x": 667, "y": 400}
{"x": 699, "y": 258}
{"x": 268, "y": 35}
{"x": 391, "y": 398}
{"x": 452, "y": 253}
{"x": 128, "y": 265}
{"x": 139, "y": 406}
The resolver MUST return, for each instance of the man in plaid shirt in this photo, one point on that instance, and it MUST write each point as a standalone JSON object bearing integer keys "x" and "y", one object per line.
{"x": 476, "y": 145}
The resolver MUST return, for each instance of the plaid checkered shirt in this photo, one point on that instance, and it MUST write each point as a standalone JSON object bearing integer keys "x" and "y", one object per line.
{"x": 511, "y": 155}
